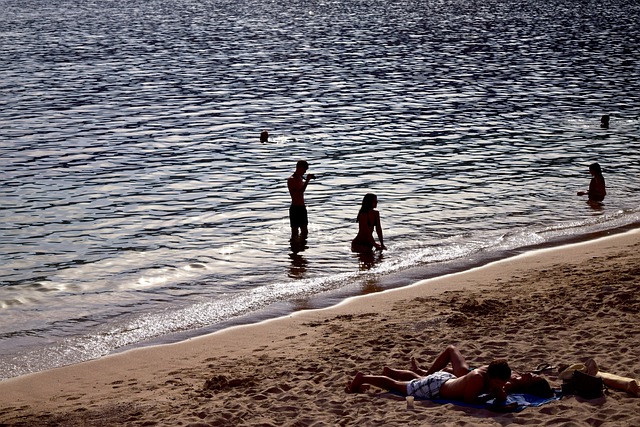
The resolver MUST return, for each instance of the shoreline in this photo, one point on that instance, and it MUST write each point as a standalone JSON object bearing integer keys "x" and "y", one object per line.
{"x": 407, "y": 278}
{"x": 539, "y": 306}
{"x": 403, "y": 277}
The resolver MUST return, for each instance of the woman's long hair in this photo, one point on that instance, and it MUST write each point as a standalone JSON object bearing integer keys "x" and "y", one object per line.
{"x": 367, "y": 204}
{"x": 596, "y": 170}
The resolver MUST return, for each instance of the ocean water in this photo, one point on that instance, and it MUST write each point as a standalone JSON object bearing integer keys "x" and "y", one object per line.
{"x": 138, "y": 206}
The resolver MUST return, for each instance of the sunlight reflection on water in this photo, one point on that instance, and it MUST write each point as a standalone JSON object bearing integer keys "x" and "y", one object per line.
{"x": 130, "y": 154}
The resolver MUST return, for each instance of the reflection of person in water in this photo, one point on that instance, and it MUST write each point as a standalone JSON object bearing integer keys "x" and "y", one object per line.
{"x": 597, "y": 189}
{"x": 369, "y": 259}
{"x": 368, "y": 220}
{"x": 299, "y": 264}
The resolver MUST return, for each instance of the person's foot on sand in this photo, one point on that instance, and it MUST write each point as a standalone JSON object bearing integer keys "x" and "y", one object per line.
{"x": 414, "y": 364}
{"x": 354, "y": 385}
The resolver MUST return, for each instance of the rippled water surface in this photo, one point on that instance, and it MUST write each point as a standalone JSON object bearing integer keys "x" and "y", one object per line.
{"x": 138, "y": 202}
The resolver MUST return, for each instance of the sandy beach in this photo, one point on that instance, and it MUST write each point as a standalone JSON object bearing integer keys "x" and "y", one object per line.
{"x": 556, "y": 306}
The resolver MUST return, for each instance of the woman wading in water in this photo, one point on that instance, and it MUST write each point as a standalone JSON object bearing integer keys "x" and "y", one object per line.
{"x": 368, "y": 219}
{"x": 597, "y": 189}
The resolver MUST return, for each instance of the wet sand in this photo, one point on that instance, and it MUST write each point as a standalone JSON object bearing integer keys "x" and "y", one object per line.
{"x": 558, "y": 306}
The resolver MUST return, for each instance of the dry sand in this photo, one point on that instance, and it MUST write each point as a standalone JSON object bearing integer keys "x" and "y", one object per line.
{"x": 558, "y": 306}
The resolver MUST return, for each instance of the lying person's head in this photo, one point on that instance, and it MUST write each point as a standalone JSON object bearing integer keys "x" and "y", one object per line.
{"x": 499, "y": 369}
{"x": 499, "y": 373}
{"x": 531, "y": 384}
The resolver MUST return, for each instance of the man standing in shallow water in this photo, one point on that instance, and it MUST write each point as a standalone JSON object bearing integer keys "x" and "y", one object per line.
{"x": 298, "y": 211}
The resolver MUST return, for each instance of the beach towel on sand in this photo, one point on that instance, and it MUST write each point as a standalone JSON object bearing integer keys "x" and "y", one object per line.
{"x": 515, "y": 402}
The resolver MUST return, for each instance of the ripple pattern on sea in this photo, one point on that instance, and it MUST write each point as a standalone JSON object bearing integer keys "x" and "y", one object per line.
{"x": 133, "y": 179}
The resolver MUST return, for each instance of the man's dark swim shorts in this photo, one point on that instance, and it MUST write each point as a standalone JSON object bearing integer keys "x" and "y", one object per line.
{"x": 298, "y": 216}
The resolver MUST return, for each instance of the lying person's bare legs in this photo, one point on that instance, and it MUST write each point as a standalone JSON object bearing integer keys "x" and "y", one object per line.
{"x": 417, "y": 369}
{"x": 380, "y": 381}
{"x": 450, "y": 355}
{"x": 400, "y": 374}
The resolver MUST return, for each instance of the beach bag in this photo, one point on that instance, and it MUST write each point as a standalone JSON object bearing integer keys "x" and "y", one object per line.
{"x": 584, "y": 385}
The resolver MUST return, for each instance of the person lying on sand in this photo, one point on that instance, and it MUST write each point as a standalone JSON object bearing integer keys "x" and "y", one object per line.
{"x": 529, "y": 382}
{"x": 457, "y": 383}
